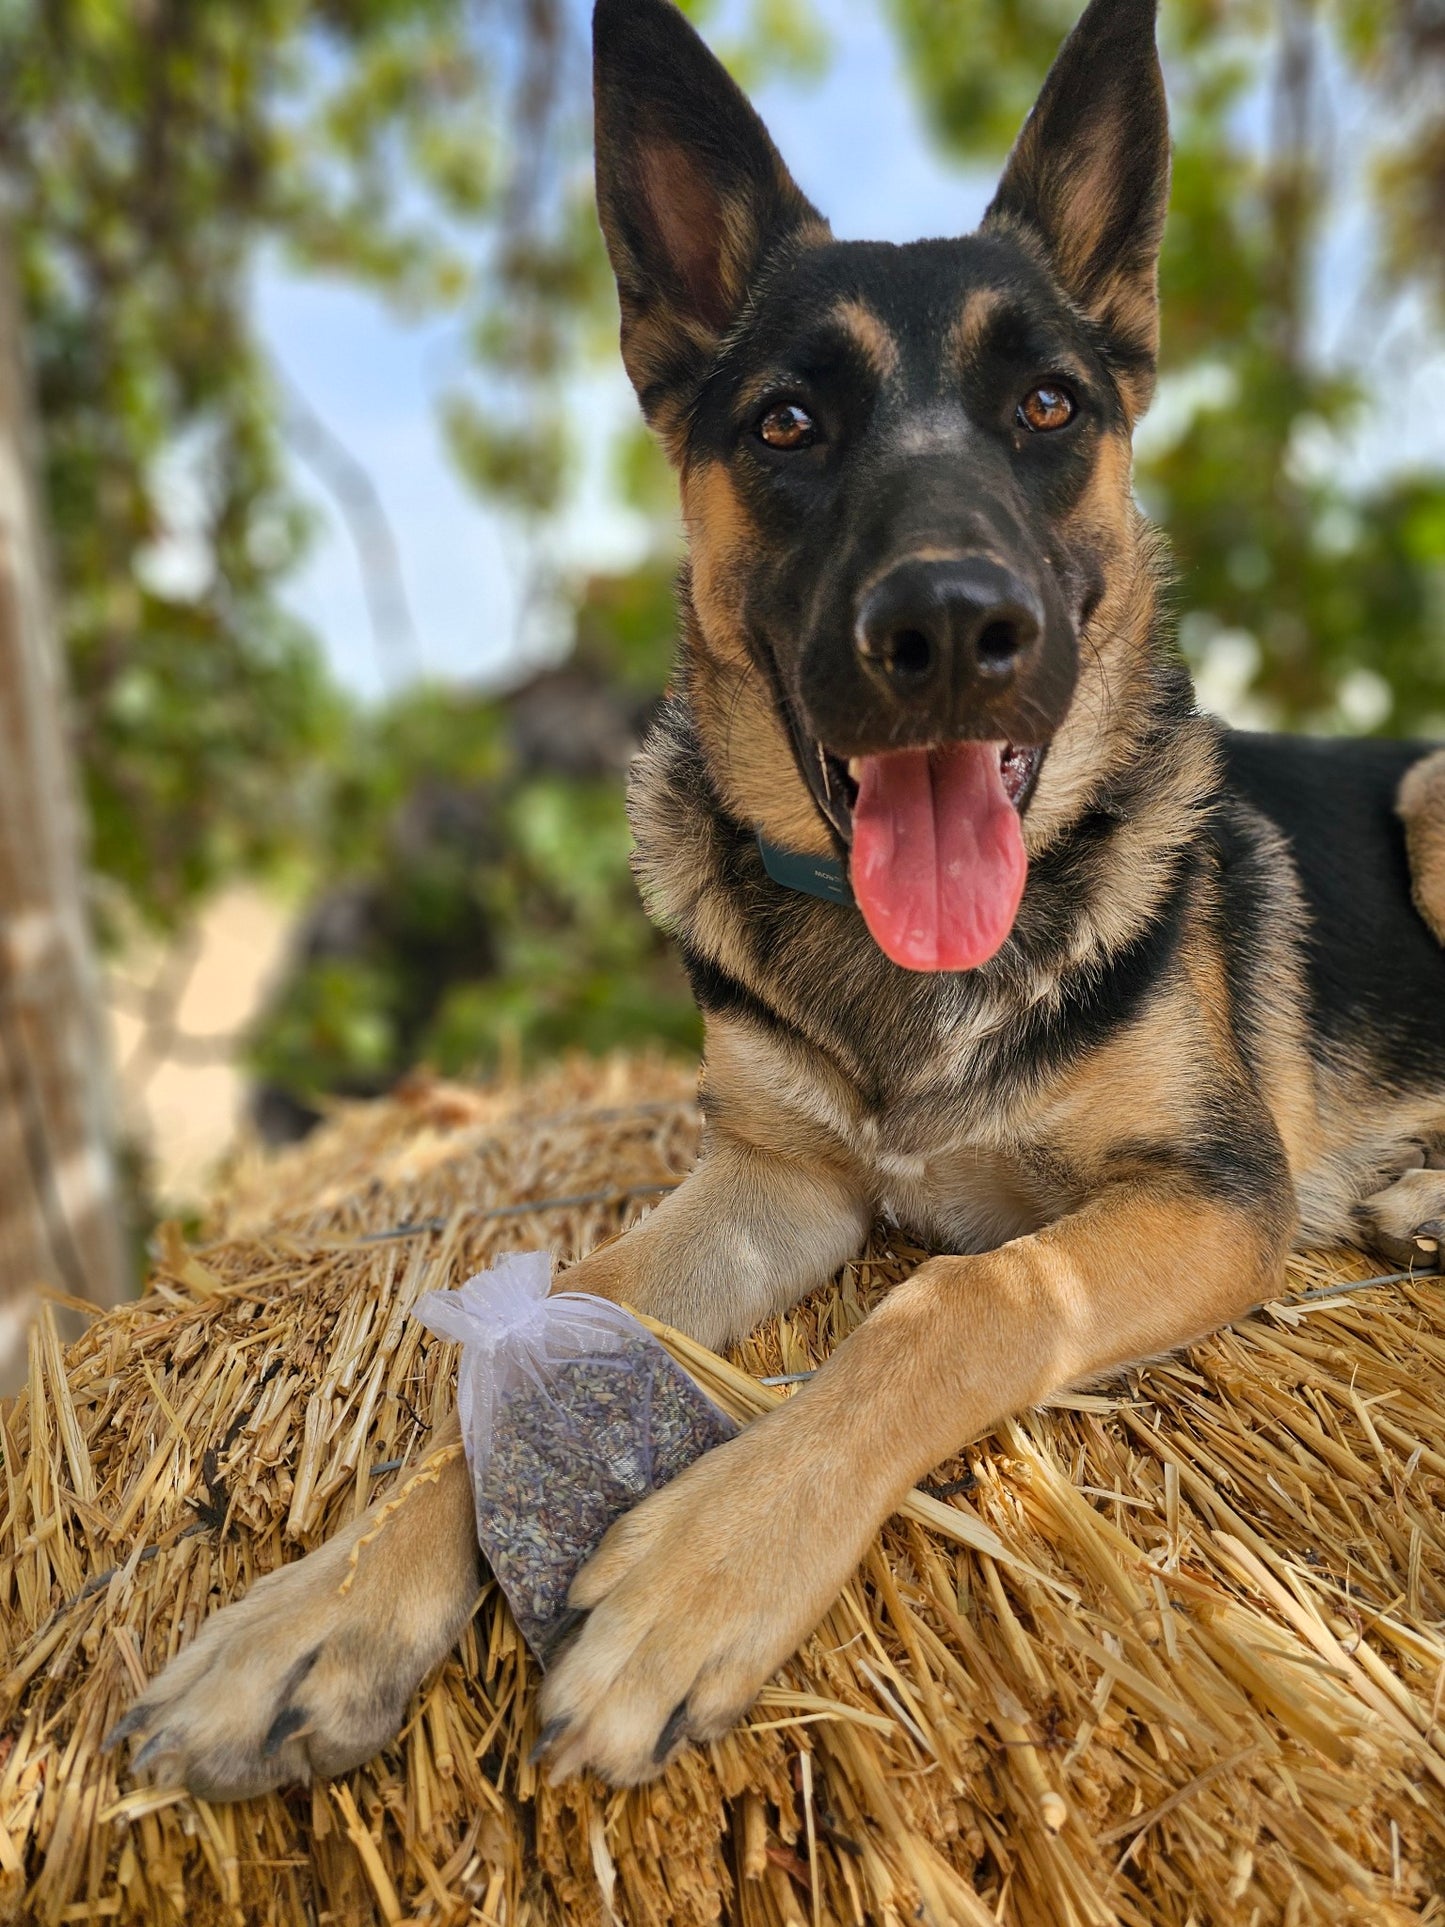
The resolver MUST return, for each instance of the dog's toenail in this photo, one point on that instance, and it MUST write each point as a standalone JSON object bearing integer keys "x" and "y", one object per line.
{"x": 298, "y": 1672}
{"x": 675, "y": 1730}
{"x": 290, "y": 1721}
{"x": 562, "y": 1630}
{"x": 553, "y": 1730}
{"x": 129, "y": 1723}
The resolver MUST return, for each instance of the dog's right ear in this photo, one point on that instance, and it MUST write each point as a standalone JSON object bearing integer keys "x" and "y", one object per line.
{"x": 691, "y": 193}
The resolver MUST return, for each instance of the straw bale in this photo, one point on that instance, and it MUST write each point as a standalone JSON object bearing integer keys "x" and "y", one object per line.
{"x": 1169, "y": 1651}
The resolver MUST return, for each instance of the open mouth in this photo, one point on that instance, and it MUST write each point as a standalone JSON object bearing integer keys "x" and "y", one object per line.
{"x": 936, "y": 851}
{"x": 837, "y": 781}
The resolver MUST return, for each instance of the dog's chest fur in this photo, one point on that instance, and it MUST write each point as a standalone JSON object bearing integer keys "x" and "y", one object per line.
{"x": 956, "y": 1159}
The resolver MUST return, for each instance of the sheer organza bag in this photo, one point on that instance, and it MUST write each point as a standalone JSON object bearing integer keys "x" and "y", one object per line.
{"x": 571, "y": 1413}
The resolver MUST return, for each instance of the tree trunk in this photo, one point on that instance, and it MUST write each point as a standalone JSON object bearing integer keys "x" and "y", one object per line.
{"x": 60, "y": 1224}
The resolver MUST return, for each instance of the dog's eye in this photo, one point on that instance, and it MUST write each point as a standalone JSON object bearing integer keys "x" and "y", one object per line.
{"x": 787, "y": 426}
{"x": 1046, "y": 408}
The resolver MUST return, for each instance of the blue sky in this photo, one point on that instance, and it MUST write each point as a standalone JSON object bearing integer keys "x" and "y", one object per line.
{"x": 855, "y": 142}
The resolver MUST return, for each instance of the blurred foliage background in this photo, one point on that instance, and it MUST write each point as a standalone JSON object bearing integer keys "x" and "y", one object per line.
{"x": 457, "y": 855}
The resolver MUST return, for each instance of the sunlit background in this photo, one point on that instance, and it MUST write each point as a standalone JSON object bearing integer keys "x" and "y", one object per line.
{"x": 364, "y": 566}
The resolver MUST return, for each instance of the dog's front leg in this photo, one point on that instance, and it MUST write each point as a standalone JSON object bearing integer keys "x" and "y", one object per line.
{"x": 747, "y": 1234}
{"x": 698, "y": 1596}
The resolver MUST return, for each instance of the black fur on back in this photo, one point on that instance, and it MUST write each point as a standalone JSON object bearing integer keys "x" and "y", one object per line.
{"x": 1376, "y": 974}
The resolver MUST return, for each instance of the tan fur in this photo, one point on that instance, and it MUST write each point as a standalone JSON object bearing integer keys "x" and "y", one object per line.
{"x": 1202, "y": 1012}
{"x": 1130, "y": 1089}
{"x": 737, "y": 719}
{"x": 740, "y": 727}
{"x": 788, "y": 1100}
{"x": 722, "y": 540}
{"x": 1079, "y": 239}
{"x": 1126, "y": 303}
{"x": 814, "y": 233}
{"x": 1097, "y": 736}
{"x": 1284, "y": 1059}
{"x": 966, "y": 336}
{"x": 1421, "y": 805}
{"x": 870, "y": 334}
{"x": 1358, "y": 1147}
{"x": 1130, "y": 310}
{"x": 1098, "y": 739}
{"x": 718, "y": 239}
{"x": 746, "y": 1235}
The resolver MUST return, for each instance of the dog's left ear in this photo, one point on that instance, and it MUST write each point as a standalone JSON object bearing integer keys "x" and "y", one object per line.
{"x": 691, "y": 193}
{"x": 1089, "y": 179}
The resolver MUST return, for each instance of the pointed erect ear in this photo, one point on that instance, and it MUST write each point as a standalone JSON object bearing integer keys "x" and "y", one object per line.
{"x": 1088, "y": 180}
{"x": 691, "y": 192}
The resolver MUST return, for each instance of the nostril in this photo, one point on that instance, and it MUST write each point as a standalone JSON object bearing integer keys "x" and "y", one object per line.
{"x": 908, "y": 653}
{"x": 999, "y": 645}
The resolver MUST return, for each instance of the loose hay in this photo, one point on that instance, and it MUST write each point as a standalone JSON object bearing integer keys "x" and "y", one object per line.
{"x": 1169, "y": 1652}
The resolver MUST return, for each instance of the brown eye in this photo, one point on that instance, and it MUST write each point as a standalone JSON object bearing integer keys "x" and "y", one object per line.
{"x": 1044, "y": 409}
{"x": 787, "y": 426}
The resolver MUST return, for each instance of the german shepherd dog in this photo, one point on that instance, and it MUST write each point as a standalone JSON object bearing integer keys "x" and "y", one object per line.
{"x": 992, "y": 930}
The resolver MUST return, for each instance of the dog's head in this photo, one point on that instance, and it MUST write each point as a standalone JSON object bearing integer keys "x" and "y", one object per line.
{"x": 915, "y": 567}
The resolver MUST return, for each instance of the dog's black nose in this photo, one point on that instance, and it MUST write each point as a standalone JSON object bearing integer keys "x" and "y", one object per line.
{"x": 931, "y": 626}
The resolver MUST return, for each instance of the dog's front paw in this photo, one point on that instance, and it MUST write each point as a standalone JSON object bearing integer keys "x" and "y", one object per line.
{"x": 282, "y": 1685}
{"x": 693, "y": 1601}
{"x": 310, "y": 1673}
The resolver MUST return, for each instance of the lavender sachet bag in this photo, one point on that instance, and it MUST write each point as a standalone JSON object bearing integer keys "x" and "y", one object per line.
{"x": 571, "y": 1413}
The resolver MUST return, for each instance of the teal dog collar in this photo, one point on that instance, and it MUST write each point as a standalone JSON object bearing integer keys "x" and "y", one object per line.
{"x": 813, "y": 876}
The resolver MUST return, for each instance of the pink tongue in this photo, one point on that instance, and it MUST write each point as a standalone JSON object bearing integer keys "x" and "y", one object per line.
{"x": 938, "y": 856}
